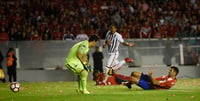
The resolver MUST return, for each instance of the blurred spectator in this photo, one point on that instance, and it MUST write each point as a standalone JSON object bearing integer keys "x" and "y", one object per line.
{"x": 23, "y": 36}
{"x": 94, "y": 7}
{"x": 68, "y": 36}
{"x": 35, "y": 36}
{"x": 72, "y": 13}
{"x": 190, "y": 56}
{"x": 187, "y": 29}
{"x": 145, "y": 31}
{"x": 156, "y": 30}
{"x": 172, "y": 30}
{"x": 194, "y": 31}
{"x": 57, "y": 34}
{"x": 4, "y": 35}
{"x": 117, "y": 19}
{"x": 13, "y": 34}
{"x": 125, "y": 33}
{"x": 161, "y": 20}
{"x": 46, "y": 35}
{"x": 82, "y": 36}
{"x": 90, "y": 31}
{"x": 198, "y": 29}
{"x": 143, "y": 6}
{"x": 164, "y": 29}
{"x": 168, "y": 53}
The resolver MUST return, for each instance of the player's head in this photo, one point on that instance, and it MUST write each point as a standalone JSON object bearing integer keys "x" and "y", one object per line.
{"x": 113, "y": 29}
{"x": 173, "y": 71}
{"x": 97, "y": 48}
{"x": 10, "y": 50}
{"x": 93, "y": 40}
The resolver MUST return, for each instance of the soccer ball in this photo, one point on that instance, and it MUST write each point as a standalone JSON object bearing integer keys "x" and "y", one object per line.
{"x": 15, "y": 87}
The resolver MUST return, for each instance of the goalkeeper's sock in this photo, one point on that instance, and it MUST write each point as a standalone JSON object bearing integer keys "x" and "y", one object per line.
{"x": 106, "y": 75}
{"x": 80, "y": 88}
{"x": 123, "y": 77}
{"x": 84, "y": 83}
{"x": 83, "y": 80}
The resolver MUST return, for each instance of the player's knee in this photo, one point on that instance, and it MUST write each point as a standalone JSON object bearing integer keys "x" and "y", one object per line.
{"x": 135, "y": 80}
{"x": 84, "y": 73}
{"x": 133, "y": 73}
{"x": 107, "y": 69}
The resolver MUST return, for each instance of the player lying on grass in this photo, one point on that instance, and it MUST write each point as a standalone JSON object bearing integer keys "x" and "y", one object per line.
{"x": 146, "y": 81}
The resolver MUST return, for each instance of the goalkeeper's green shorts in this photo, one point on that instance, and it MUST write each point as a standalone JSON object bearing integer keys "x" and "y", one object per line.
{"x": 76, "y": 68}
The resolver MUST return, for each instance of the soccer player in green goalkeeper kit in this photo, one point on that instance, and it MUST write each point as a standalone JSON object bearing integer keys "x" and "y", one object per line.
{"x": 77, "y": 61}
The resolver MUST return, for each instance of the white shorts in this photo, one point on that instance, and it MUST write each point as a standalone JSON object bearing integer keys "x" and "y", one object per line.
{"x": 112, "y": 60}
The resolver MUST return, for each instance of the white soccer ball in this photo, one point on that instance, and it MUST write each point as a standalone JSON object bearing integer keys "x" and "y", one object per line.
{"x": 15, "y": 87}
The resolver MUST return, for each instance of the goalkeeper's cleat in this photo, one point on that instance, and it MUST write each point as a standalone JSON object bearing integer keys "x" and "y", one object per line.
{"x": 86, "y": 92}
{"x": 128, "y": 60}
{"x": 78, "y": 91}
{"x": 110, "y": 71}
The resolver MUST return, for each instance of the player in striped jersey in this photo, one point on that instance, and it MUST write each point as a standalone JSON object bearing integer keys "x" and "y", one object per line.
{"x": 112, "y": 41}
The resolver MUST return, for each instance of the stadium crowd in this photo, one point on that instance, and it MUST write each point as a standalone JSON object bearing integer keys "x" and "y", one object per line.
{"x": 68, "y": 19}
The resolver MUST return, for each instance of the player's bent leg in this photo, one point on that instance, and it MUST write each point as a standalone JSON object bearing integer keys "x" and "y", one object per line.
{"x": 111, "y": 71}
{"x": 128, "y": 84}
{"x": 118, "y": 65}
{"x": 135, "y": 80}
{"x": 80, "y": 88}
{"x": 136, "y": 74}
{"x": 83, "y": 79}
{"x": 128, "y": 60}
{"x": 105, "y": 76}
{"x": 144, "y": 84}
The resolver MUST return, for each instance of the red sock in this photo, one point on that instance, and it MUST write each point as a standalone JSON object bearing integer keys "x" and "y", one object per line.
{"x": 123, "y": 77}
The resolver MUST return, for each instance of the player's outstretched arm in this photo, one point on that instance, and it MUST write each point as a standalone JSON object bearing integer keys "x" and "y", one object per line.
{"x": 128, "y": 44}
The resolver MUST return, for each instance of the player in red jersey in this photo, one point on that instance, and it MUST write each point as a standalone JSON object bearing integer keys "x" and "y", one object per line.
{"x": 146, "y": 81}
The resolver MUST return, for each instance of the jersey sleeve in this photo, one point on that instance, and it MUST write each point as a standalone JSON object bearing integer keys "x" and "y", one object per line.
{"x": 120, "y": 39}
{"x": 83, "y": 48}
{"x": 106, "y": 38}
{"x": 159, "y": 78}
{"x": 166, "y": 83}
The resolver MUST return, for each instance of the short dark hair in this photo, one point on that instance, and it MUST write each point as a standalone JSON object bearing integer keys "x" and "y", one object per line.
{"x": 175, "y": 69}
{"x": 94, "y": 37}
{"x": 113, "y": 25}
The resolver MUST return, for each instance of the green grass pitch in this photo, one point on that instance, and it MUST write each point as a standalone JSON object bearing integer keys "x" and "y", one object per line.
{"x": 184, "y": 90}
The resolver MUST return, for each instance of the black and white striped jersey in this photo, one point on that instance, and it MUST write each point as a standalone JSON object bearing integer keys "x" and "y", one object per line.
{"x": 115, "y": 40}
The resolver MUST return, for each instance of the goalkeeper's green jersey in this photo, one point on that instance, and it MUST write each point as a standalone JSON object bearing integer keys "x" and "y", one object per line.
{"x": 81, "y": 47}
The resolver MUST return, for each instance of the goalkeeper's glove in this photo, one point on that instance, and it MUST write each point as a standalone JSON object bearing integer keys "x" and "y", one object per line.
{"x": 86, "y": 65}
{"x": 90, "y": 69}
